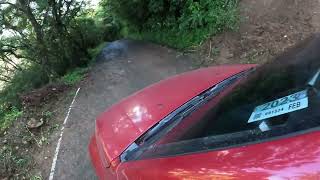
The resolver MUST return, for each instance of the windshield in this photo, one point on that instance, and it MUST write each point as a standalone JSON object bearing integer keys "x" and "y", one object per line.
{"x": 279, "y": 98}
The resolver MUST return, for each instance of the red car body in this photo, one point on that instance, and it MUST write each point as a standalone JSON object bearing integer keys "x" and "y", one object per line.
{"x": 295, "y": 157}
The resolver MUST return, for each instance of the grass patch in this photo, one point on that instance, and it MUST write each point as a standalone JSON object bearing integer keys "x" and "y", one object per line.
{"x": 36, "y": 177}
{"x": 8, "y": 117}
{"x": 173, "y": 38}
{"x": 75, "y": 76}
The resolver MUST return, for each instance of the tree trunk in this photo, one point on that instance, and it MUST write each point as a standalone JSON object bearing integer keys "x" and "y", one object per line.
{"x": 39, "y": 34}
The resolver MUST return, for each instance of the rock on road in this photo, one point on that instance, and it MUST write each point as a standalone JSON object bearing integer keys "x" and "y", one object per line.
{"x": 123, "y": 68}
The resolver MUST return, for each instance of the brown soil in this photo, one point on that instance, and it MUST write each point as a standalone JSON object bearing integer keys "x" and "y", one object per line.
{"x": 24, "y": 151}
{"x": 268, "y": 27}
{"x": 43, "y": 95}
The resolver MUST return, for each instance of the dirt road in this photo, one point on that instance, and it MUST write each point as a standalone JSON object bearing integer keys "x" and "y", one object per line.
{"x": 141, "y": 65}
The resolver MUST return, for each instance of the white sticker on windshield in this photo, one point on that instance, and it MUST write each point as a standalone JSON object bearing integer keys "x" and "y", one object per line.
{"x": 280, "y": 106}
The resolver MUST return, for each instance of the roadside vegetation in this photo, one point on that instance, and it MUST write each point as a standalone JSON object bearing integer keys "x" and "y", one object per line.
{"x": 178, "y": 24}
{"x": 47, "y": 46}
{"x": 45, "y": 42}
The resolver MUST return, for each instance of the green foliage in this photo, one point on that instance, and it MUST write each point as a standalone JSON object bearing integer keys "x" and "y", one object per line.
{"x": 10, "y": 161}
{"x": 74, "y": 76}
{"x": 47, "y": 114}
{"x": 49, "y": 40}
{"x": 36, "y": 177}
{"x": 173, "y": 38}
{"x": 177, "y": 23}
{"x": 55, "y": 35}
{"x": 8, "y": 117}
{"x": 86, "y": 31}
{"x": 22, "y": 81}
{"x": 94, "y": 52}
{"x": 109, "y": 24}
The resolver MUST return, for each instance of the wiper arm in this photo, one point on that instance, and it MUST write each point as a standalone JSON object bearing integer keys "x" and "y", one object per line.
{"x": 222, "y": 85}
{"x": 311, "y": 84}
{"x": 314, "y": 79}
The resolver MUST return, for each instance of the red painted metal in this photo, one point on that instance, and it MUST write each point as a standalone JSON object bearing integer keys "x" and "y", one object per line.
{"x": 289, "y": 158}
{"x": 118, "y": 127}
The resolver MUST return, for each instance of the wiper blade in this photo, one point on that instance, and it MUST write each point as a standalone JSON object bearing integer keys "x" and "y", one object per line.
{"x": 177, "y": 115}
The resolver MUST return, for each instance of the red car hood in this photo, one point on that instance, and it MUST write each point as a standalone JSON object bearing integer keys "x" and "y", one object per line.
{"x": 124, "y": 122}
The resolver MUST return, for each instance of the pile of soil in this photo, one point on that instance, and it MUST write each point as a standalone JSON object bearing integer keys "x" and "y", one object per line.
{"x": 267, "y": 28}
{"x": 41, "y": 96}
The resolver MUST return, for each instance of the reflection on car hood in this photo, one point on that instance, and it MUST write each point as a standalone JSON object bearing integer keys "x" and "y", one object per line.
{"x": 127, "y": 120}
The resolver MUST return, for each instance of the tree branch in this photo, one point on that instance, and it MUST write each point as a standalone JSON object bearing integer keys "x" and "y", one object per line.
{"x": 4, "y": 2}
{"x": 5, "y": 77}
{"x": 4, "y": 80}
{"x": 6, "y": 59}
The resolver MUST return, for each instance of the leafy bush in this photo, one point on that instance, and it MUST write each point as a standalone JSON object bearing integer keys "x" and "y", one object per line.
{"x": 25, "y": 80}
{"x": 74, "y": 76}
{"x": 178, "y": 23}
{"x": 94, "y": 52}
{"x": 7, "y": 118}
{"x": 109, "y": 25}
{"x": 72, "y": 50}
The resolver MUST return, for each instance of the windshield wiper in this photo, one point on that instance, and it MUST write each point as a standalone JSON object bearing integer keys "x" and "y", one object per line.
{"x": 176, "y": 116}
{"x": 170, "y": 121}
